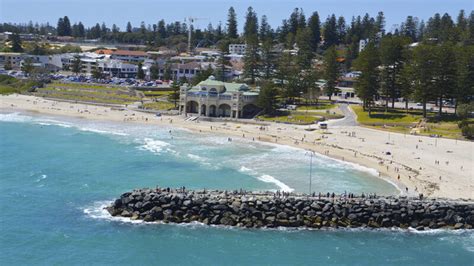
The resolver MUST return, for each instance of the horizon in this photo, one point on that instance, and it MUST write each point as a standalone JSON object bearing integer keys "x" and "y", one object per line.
{"x": 14, "y": 11}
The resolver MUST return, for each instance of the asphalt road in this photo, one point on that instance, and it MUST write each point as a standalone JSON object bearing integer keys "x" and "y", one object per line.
{"x": 349, "y": 119}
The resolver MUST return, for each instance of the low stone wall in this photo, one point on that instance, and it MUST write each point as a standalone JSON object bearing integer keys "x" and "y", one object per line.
{"x": 290, "y": 210}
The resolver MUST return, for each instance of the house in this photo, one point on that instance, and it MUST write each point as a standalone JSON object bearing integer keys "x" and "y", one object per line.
{"x": 13, "y": 60}
{"x": 129, "y": 56}
{"x": 212, "y": 98}
{"x": 238, "y": 49}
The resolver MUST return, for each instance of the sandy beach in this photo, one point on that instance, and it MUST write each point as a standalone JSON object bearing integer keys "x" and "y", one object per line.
{"x": 436, "y": 167}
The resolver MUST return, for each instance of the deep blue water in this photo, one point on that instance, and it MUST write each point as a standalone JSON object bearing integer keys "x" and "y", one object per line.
{"x": 56, "y": 174}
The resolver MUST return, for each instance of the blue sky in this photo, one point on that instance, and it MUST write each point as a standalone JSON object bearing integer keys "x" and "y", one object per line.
{"x": 150, "y": 11}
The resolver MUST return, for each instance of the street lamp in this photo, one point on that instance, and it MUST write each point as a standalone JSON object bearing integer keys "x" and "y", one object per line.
{"x": 310, "y": 154}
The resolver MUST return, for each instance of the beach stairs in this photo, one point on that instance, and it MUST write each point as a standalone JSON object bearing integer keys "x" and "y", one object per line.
{"x": 192, "y": 118}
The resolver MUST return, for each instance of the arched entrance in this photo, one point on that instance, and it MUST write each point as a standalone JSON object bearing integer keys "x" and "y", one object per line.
{"x": 250, "y": 110}
{"x": 224, "y": 110}
{"x": 192, "y": 107}
{"x": 212, "y": 110}
{"x": 203, "y": 109}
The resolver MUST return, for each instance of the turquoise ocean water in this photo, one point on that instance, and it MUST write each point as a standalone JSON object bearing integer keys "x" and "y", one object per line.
{"x": 56, "y": 174}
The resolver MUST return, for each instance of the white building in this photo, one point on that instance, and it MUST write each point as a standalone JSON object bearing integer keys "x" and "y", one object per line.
{"x": 117, "y": 68}
{"x": 238, "y": 49}
{"x": 363, "y": 44}
{"x": 212, "y": 98}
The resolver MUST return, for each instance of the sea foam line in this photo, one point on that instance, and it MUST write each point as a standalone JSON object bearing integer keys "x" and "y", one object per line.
{"x": 266, "y": 178}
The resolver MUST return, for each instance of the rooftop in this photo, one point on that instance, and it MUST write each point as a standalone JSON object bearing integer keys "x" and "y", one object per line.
{"x": 129, "y": 53}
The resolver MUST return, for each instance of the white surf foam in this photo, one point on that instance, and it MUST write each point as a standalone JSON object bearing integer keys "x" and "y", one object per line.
{"x": 155, "y": 146}
{"x": 100, "y": 131}
{"x": 196, "y": 157}
{"x": 41, "y": 178}
{"x": 15, "y": 117}
{"x": 271, "y": 179}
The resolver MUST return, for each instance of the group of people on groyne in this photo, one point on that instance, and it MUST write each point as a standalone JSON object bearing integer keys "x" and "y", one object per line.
{"x": 275, "y": 209}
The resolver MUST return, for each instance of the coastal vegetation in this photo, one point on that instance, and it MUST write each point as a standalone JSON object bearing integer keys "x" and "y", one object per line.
{"x": 9, "y": 85}
{"x": 88, "y": 93}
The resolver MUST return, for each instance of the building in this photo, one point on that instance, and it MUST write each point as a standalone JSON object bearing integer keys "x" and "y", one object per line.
{"x": 238, "y": 49}
{"x": 363, "y": 44}
{"x": 129, "y": 56}
{"x": 51, "y": 63}
{"x": 212, "y": 98}
{"x": 117, "y": 68}
{"x": 13, "y": 60}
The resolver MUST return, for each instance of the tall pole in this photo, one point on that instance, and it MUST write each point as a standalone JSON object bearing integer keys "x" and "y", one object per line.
{"x": 189, "y": 35}
{"x": 310, "y": 171}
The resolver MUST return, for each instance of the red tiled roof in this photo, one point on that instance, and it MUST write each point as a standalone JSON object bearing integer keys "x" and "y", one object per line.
{"x": 104, "y": 51}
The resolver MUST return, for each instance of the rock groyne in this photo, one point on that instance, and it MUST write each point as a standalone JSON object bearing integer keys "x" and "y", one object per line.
{"x": 267, "y": 209}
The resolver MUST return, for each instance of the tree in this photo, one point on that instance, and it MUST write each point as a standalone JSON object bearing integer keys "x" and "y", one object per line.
{"x": 174, "y": 96}
{"x": 405, "y": 82}
{"x": 16, "y": 43}
{"x": 465, "y": 74}
{"x": 154, "y": 72}
{"x": 76, "y": 65}
{"x": 380, "y": 23}
{"x": 391, "y": 57}
{"x": 232, "y": 24}
{"x": 423, "y": 70}
{"x": 67, "y": 26}
{"x": 251, "y": 58}
{"x": 222, "y": 62}
{"x": 267, "y": 98}
{"x": 268, "y": 58}
{"x": 60, "y": 27}
{"x": 368, "y": 82}
{"x": 341, "y": 30}
{"x": 97, "y": 73}
{"x": 305, "y": 53}
{"x": 202, "y": 75}
{"x": 265, "y": 29}
{"x": 27, "y": 66}
{"x": 330, "y": 31}
{"x": 331, "y": 71}
{"x": 129, "y": 27}
{"x": 445, "y": 75}
{"x": 314, "y": 26}
{"x": 81, "y": 32}
{"x": 410, "y": 28}
{"x": 140, "y": 72}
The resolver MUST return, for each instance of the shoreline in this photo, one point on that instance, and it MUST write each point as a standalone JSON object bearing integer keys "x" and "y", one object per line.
{"x": 337, "y": 145}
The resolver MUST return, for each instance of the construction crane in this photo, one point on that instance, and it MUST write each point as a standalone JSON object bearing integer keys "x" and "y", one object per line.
{"x": 190, "y": 28}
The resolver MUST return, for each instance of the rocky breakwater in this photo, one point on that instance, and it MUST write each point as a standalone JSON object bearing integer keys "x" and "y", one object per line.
{"x": 253, "y": 210}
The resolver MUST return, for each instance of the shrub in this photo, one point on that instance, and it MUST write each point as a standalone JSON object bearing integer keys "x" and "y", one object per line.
{"x": 468, "y": 131}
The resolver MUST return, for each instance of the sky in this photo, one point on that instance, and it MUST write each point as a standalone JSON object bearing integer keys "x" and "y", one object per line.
{"x": 151, "y": 11}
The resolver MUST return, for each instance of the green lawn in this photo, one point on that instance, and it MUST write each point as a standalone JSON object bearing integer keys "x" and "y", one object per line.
{"x": 157, "y": 93}
{"x": 88, "y": 93}
{"x": 399, "y": 121}
{"x": 159, "y": 105}
{"x": 322, "y": 104}
{"x": 378, "y": 116}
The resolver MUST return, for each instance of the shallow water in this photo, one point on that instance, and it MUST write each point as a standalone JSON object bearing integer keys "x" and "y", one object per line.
{"x": 56, "y": 173}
